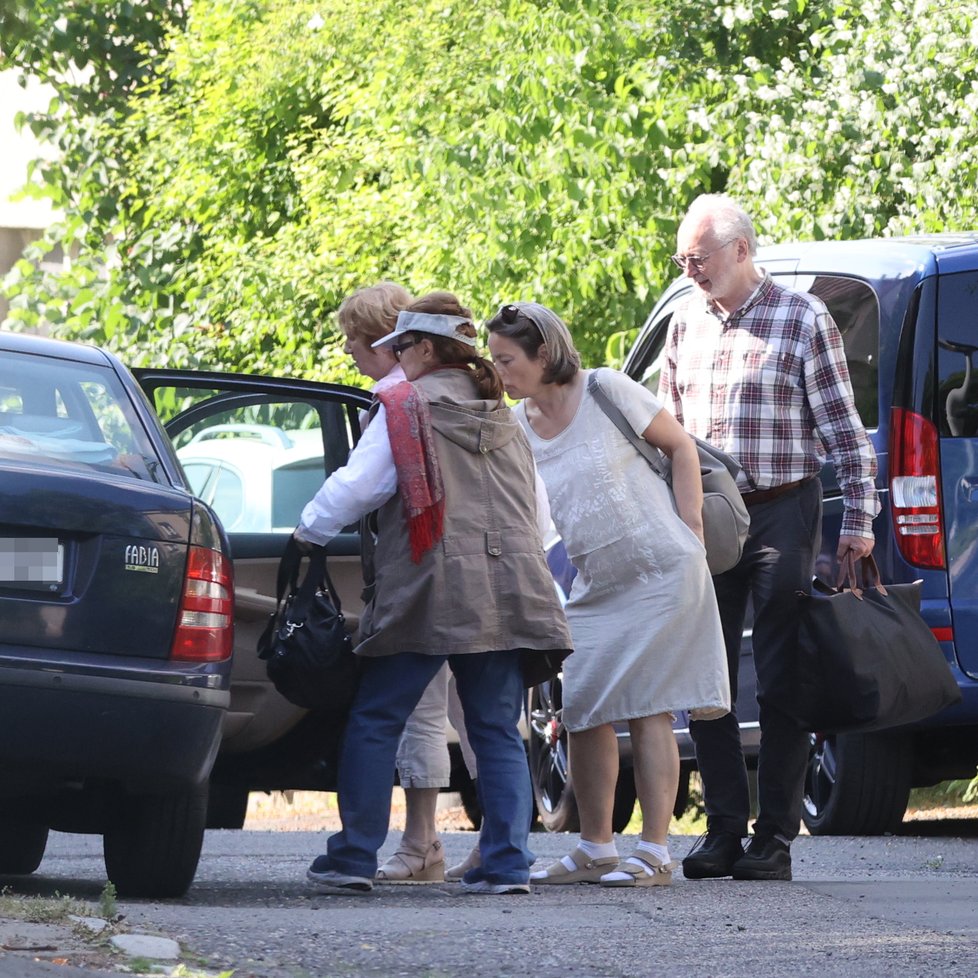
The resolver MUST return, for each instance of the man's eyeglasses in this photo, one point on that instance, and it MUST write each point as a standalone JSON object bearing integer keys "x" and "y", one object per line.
{"x": 398, "y": 348}
{"x": 697, "y": 261}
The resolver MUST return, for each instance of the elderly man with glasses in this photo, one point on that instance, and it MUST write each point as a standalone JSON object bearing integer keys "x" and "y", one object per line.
{"x": 760, "y": 371}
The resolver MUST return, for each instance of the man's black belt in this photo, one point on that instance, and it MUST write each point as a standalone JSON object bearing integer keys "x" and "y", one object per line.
{"x": 759, "y": 496}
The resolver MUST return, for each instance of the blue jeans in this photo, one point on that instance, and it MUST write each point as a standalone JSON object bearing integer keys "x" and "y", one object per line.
{"x": 490, "y": 687}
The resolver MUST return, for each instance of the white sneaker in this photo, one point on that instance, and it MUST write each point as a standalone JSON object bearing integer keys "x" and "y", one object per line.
{"x": 495, "y": 889}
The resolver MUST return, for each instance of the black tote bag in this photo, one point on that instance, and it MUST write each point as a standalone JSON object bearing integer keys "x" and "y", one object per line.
{"x": 307, "y": 650}
{"x": 866, "y": 660}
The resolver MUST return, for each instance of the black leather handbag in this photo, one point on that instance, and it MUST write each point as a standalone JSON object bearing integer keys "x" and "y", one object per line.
{"x": 307, "y": 649}
{"x": 866, "y": 660}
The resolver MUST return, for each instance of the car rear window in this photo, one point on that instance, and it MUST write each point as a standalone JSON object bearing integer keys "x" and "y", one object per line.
{"x": 62, "y": 413}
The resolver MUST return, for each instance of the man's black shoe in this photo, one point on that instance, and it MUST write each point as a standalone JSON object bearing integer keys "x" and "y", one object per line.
{"x": 713, "y": 856}
{"x": 766, "y": 858}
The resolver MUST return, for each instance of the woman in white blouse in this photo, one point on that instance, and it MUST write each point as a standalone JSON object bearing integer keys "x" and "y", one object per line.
{"x": 642, "y": 610}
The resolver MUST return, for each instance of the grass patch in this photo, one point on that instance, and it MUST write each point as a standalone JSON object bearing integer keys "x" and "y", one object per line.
{"x": 40, "y": 910}
{"x": 107, "y": 901}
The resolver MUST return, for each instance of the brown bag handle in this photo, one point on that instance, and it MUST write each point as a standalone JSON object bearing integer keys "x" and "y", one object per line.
{"x": 868, "y": 574}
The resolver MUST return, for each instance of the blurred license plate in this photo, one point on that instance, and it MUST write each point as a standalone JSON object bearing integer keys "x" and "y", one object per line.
{"x": 31, "y": 562}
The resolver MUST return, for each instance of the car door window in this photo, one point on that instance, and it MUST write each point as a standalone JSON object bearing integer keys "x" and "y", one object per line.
{"x": 220, "y": 487}
{"x": 256, "y": 458}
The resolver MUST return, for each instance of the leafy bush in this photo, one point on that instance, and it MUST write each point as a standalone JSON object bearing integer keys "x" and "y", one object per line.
{"x": 233, "y": 169}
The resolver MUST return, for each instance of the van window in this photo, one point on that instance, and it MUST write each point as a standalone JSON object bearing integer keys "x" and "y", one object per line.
{"x": 647, "y": 370}
{"x": 957, "y": 365}
{"x": 856, "y": 312}
{"x": 855, "y": 309}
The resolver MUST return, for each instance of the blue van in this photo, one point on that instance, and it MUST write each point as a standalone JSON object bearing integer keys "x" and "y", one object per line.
{"x": 907, "y": 309}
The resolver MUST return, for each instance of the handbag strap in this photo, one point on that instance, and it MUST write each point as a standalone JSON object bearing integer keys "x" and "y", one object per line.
{"x": 317, "y": 565}
{"x": 652, "y": 455}
{"x": 317, "y": 576}
{"x": 288, "y": 570}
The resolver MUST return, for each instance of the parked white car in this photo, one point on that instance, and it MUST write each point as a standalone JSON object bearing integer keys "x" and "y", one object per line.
{"x": 256, "y": 477}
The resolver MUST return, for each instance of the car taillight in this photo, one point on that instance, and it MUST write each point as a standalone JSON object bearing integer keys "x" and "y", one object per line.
{"x": 205, "y": 626}
{"x": 915, "y": 489}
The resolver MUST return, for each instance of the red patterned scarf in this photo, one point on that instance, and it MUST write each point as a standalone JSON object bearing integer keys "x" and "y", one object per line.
{"x": 418, "y": 473}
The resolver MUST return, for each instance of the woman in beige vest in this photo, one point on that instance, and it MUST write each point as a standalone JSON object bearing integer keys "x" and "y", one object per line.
{"x": 423, "y": 762}
{"x": 460, "y": 578}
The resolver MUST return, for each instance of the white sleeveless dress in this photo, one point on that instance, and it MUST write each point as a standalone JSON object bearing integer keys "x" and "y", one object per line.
{"x": 642, "y": 609}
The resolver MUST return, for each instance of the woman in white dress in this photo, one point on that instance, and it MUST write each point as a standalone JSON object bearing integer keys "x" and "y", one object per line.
{"x": 642, "y": 609}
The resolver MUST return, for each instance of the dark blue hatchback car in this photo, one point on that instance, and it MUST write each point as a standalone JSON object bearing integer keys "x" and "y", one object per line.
{"x": 115, "y": 622}
{"x": 141, "y": 527}
{"x": 907, "y": 309}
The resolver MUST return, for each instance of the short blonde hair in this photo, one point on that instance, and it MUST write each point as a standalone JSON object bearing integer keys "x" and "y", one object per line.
{"x": 370, "y": 313}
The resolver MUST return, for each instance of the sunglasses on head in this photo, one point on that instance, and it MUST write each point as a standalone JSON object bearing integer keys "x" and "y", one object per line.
{"x": 508, "y": 314}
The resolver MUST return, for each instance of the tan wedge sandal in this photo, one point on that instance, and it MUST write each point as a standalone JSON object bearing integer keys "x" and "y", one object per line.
{"x": 587, "y": 870}
{"x": 409, "y": 866}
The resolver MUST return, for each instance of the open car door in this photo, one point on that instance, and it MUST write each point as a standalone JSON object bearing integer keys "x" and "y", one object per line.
{"x": 256, "y": 450}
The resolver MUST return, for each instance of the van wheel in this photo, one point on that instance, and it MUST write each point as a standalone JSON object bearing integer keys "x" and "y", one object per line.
{"x": 553, "y": 791}
{"x": 153, "y": 845}
{"x": 857, "y": 784}
{"x": 22, "y": 845}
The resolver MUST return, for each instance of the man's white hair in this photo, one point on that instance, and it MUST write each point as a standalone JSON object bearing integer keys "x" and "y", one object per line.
{"x": 730, "y": 220}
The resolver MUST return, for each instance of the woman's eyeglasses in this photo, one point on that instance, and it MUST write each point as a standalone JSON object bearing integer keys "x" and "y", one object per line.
{"x": 398, "y": 348}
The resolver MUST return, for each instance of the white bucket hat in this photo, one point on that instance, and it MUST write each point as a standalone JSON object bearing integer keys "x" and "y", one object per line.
{"x": 426, "y": 322}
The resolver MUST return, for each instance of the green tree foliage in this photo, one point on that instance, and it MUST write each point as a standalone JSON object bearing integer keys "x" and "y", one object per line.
{"x": 97, "y": 54}
{"x": 236, "y": 167}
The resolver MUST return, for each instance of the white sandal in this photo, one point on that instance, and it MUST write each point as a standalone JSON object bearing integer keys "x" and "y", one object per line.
{"x": 640, "y": 869}
{"x": 587, "y": 870}
{"x": 473, "y": 860}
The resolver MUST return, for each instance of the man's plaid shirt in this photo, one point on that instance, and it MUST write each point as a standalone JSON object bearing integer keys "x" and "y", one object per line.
{"x": 769, "y": 384}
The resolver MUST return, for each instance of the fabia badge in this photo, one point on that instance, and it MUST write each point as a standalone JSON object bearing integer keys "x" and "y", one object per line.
{"x": 143, "y": 559}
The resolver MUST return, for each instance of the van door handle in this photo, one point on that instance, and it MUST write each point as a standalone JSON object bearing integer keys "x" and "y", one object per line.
{"x": 970, "y": 487}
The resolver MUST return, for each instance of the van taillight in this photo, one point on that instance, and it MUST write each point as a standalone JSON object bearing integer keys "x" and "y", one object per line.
{"x": 915, "y": 489}
{"x": 205, "y": 626}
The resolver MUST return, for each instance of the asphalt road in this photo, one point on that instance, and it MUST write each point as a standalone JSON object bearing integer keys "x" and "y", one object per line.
{"x": 904, "y": 906}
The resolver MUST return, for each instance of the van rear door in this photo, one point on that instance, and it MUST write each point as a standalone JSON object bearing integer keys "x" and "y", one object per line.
{"x": 957, "y": 422}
